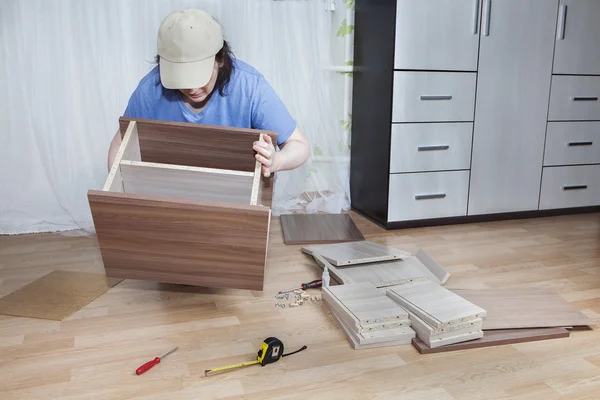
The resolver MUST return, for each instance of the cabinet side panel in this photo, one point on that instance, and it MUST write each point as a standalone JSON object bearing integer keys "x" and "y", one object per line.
{"x": 178, "y": 241}
{"x": 198, "y": 145}
{"x": 372, "y": 106}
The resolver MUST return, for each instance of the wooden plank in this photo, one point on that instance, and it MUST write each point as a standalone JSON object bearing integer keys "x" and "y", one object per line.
{"x": 319, "y": 228}
{"x": 496, "y": 338}
{"x": 435, "y": 304}
{"x": 340, "y": 254}
{"x": 193, "y": 183}
{"x": 367, "y": 304}
{"x": 396, "y": 337}
{"x": 130, "y": 147}
{"x": 56, "y": 295}
{"x": 256, "y": 179}
{"x": 181, "y": 241}
{"x": 197, "y": 145}
{"x": 524, "y": 308}
{"x": 265, "y": 194}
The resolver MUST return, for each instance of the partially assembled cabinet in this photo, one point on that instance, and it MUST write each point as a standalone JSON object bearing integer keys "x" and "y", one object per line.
{"x": 185, "y": 203}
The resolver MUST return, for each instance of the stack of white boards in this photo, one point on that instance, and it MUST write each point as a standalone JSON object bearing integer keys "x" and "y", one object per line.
{"x": 438, "y": 316}
{"x": 367, "y": 316}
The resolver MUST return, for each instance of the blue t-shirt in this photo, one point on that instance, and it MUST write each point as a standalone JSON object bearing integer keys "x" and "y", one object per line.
{"x": 249, "y": 102}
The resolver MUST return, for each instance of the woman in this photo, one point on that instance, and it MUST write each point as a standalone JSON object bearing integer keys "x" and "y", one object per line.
{"x": 198, "y": 80}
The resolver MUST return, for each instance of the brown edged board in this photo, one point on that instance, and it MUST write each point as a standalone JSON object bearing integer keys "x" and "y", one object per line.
{"x": 319, "y": 229}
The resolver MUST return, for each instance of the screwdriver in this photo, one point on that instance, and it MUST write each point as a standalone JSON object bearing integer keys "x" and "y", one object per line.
{"x": 152, "y": 363}
{"x": 317, "y": 283}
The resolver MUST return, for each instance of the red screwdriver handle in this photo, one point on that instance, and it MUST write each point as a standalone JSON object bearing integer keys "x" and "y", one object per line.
{"x": 147, "y": 366}
{"x": 317, "y": 283}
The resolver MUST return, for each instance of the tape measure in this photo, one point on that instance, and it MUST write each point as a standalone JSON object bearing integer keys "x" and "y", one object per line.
{"x": 271, "y": 350}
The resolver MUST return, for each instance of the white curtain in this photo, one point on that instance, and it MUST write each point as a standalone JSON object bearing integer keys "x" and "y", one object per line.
{"x": 68, "y": 67}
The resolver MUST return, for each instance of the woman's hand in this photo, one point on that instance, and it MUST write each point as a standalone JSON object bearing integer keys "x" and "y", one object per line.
{"x": 266, "y": 155}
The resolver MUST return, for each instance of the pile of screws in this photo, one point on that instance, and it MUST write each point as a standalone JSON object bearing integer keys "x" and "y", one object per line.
{"x": 299, "y": 297}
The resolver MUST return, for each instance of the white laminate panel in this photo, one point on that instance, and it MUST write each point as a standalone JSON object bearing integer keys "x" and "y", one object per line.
{"x": 513, "y": 87}
{"x": 428, "y": 195}
{"x": 578, "y": 36}
{"x": 437, "y": 34}
{"x": 431, "y": 147}
{"x": 433, "y": 96}
{"x": 576, "y": 186}
{"x": 572, "y": 143}
{"x": 575, "y": 98}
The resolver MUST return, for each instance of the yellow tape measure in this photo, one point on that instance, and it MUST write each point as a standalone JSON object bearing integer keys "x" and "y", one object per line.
{"x": 271, "y": 350}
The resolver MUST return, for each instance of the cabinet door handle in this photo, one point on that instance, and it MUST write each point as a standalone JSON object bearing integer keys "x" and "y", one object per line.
{"x": 436, "y": 97}
{"x": 580, "y": 143}
{"x": 431, "y": 148}
{"x": 585, "y": 98}
{"x": 430, "y": 196}
{"x": 476, "y": 18}
{"x": 574, "y": 187}
{"x": 563, "y": 22}
{"x": 488, "y": 16}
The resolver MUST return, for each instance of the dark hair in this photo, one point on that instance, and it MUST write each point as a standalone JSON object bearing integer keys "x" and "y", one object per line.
{"x": 225, "y": 58}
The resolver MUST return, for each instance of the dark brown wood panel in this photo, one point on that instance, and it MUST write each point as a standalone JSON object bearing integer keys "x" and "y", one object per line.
{"x": 319, "y": 228}
{"x": 181, "y": 241}
{"x": 265, "y": 194}
{"x": 496, "y": 338}
{"x": 196, "y": 145}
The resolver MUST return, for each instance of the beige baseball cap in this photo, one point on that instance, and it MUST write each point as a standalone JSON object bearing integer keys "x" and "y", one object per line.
{"x": 188, "y": 41}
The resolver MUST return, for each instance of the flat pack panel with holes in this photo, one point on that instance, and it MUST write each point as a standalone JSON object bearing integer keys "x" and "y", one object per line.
{"x": 185, "y": 203}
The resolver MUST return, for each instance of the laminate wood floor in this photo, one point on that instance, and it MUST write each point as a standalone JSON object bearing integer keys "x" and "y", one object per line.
{"x": 93, "y": 354}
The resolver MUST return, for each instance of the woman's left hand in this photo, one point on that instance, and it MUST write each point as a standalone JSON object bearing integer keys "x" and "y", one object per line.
{"x": 266, "y": 155}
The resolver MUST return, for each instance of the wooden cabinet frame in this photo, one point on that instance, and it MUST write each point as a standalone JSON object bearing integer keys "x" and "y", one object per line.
{"x": 185, "y": 203}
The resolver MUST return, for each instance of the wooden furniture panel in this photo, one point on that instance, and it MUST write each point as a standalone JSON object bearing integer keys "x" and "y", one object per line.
{"x": 437, "y": 34}
{"x": 496, "y": 338}
{"x": 513, "y": 85}
{"x": 428, "y": 195}
{"x": 319, "y": 228}
{"x": 574, "y": 98}
{"x": 181, "y": 241}
{"x": 574, "y": 186}
{"x": 577, "y": 37}
{"x": 196, "y": 145}
{"x": 433, "y": 96}
{"x": 430, "y": 147}
{"x": 350, "y": 253}
{"x": 572, "y": 143}
{"x": 193, "y": 183}
{"x": 524, "y": 308}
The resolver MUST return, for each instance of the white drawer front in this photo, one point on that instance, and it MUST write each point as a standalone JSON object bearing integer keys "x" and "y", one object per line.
{"x": 571, "y": 143}
{"x": 575, "y": 98}
{"x": 576, "y": 186}
{"x": 433, "y": 96}
{"x": 428, "y": 195}
{"x": 431, "y": 147}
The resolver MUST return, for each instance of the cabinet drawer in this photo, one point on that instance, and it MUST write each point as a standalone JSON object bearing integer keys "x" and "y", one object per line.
{"x": 431, "y": 147}
{"x": 571, "y": 143}
{"x": 427, "y": 195}
{"x": 433, "y": 96}
{"x": 575, "y": 98}
{"x": 564, "y": 187}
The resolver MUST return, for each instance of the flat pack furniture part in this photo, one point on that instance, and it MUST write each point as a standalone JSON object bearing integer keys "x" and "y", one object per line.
{"x": 185, "y": 203}
{"x": 401, "y": 336}
{"x": 338, "y": 275}
{"x": 350, "y": 253}
{"x": 365, "y": 303}
{"x": 415, "y": 268}
{"x": 434, "y": 338}
{"x": 434, "y": 304}
{"x": 319, "y": 229}
{"x": 350, "y": 320}
{"x": 524, "y": 308}
{"x": 496, "y": 338}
